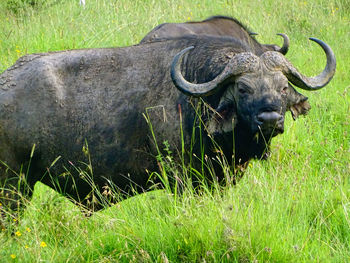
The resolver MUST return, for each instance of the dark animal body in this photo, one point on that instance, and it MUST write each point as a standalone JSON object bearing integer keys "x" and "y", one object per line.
{"x": 214, "y": 26}
{"x": 58, "y": 101}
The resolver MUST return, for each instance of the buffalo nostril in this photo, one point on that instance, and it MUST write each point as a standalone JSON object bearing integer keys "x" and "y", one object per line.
{"x": 269, "y": 118}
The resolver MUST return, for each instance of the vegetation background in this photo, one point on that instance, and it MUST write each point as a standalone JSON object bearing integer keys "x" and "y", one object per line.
{"x": 293, "y": 208}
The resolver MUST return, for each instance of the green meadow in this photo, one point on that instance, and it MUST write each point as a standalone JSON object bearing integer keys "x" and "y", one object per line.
{"x": 295, "y": 207}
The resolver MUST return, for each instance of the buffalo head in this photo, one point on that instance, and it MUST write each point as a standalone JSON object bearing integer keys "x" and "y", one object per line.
{"x": 256, "y": 91}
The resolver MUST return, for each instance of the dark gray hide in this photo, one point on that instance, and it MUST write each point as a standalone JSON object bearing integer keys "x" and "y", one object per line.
{"x": 57, "y": 101}
{"x": 214, "y": 26}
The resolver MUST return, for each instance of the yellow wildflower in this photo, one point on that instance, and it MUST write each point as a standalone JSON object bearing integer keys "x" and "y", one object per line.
{"x": 43, "y": 244}
{"x": 28, "y": 229}
{"x": 18, "y": 233}
{"x": 13, "y": 256}
{"x": 26, "y": 246}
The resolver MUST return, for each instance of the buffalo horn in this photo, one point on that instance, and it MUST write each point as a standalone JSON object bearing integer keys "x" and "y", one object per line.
{"x": 319, "y": 81}
{"x": 242, "y": 62}
{"x": 285, "y": 47}
{"x": 279, "y": 62}
{"x": 196, "y": 90}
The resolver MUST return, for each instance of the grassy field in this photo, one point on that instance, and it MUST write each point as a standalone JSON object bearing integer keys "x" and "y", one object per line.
{"x": 293, "y": 208}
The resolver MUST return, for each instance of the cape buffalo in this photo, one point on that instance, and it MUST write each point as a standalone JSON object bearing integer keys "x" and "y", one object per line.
{"x": 94, "y": 100}
{"x": 214, "y": 26}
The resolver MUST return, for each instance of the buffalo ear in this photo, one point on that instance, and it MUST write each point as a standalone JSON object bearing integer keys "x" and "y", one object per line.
{"x": 297, "y": 103}
{"x": 223, "y": 118}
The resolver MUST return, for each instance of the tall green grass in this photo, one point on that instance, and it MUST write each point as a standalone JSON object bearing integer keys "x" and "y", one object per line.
{"x": 293, "y": 208}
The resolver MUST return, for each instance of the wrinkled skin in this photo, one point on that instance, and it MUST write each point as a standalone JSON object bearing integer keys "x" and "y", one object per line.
{"x": 59, "y": 101}
{"x": 213, "y": 26}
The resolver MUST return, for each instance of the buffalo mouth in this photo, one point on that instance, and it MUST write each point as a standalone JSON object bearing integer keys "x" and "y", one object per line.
{"x": 269, "y": 133}
{"x": 269, "y": 123}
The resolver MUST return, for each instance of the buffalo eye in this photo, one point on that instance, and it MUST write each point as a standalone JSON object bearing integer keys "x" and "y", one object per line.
{"x": 243, "y": 89}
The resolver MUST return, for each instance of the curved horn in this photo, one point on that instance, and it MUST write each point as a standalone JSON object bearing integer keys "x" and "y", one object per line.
{"x": 242, "y": 62}
{"x": 285, "y": 47}
{"x": 277, "y": 60}
{"x": 196, "y": 90}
